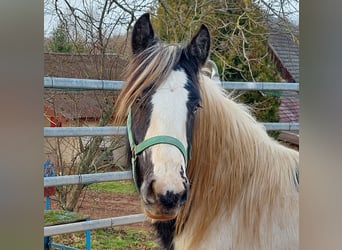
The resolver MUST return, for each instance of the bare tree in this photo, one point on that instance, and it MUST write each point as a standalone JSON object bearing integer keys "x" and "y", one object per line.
{"x": 96, "y": 28}
{"x": 80, "y": 155}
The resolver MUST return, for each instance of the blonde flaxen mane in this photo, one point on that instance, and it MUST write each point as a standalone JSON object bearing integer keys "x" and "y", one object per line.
{"x": 235, "y": 165}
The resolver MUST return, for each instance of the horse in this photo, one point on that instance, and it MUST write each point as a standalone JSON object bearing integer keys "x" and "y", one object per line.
{"x": 207, "y": 173}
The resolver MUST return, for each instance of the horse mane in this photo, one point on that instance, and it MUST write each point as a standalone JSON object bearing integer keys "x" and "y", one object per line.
{"x": 234, "y": 163}
{"x": 146, "y": 71}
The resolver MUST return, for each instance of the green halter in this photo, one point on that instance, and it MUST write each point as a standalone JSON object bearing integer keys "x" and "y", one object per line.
{"x": 159, "y": 139}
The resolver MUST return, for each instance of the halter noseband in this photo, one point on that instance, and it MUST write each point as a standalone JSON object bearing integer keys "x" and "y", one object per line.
{"x": 159, "y": 139}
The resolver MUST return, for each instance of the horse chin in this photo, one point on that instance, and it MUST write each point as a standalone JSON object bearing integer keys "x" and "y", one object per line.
{"x": 159, "y": 217}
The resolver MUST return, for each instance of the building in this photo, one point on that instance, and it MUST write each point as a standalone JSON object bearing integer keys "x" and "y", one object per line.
{"x": 283, "y": 45}
{"x": 67, "y": 108}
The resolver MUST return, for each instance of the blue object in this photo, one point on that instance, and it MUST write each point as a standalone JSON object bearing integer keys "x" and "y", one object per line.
{"x": 47, "y": 203}
{"x": 48, "y": 169}
{"x": 88, "y": 237}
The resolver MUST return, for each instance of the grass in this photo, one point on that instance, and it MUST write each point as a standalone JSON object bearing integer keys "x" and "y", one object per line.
{"x": 110, "y": 238}
{"x": 54, "y": 217}
{"x": 123, "y": 187}
{"x": 115, "y": 238}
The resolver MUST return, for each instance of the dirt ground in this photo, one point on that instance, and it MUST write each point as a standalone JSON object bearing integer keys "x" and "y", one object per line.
{"x": 99, "y": 205}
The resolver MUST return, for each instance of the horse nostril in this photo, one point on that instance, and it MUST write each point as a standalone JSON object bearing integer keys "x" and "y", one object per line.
{"x": 150, "y": 195}
{"x": 171, "y": 200}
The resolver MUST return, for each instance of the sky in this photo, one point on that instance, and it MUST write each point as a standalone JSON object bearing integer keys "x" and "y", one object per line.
{"x": 50, "y": 19}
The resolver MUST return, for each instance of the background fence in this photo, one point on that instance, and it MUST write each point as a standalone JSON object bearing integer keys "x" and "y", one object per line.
{"x": 86, "y": 84}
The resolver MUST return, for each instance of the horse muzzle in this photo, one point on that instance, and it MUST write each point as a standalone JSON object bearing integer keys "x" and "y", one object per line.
{"x": 162, "y": 201}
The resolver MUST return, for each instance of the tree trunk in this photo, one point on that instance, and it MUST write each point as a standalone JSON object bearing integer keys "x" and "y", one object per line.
{"x": 88, "y": 158}
{"x": 74, "y": 195}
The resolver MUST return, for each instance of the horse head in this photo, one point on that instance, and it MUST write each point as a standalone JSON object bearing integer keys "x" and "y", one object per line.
{"x": 162, "y": 86}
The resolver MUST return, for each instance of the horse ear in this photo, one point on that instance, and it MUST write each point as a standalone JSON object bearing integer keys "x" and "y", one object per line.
{"x": 198, "y": 48}
{"x": 143, "y": 34}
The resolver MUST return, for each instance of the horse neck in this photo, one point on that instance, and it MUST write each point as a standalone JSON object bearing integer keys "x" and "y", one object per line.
{"x": 229, "y": 149}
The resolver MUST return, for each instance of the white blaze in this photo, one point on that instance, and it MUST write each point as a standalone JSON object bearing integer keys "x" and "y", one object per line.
{"x": 169, "y": 116}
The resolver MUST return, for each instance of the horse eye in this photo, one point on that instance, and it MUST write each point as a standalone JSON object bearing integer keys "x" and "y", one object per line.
{"x": 138, "y": 99}
{"x": 196, "y": 107}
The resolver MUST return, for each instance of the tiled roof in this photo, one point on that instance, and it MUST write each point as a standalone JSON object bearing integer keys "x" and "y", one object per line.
{"x": 289, "y": 108}
{"x": 85, "y": 105}
{"x": 284, "y": 44}
{"x": 84, "y": 66}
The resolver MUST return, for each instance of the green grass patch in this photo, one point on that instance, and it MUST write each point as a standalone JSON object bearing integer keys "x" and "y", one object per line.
{"x": 55, "y": 217}
{"x": 111, "y": 238}
{"x": 123, "y": 187}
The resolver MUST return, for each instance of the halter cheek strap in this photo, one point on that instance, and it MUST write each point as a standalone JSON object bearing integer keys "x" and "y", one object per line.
{"x": 159, "y": 139}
